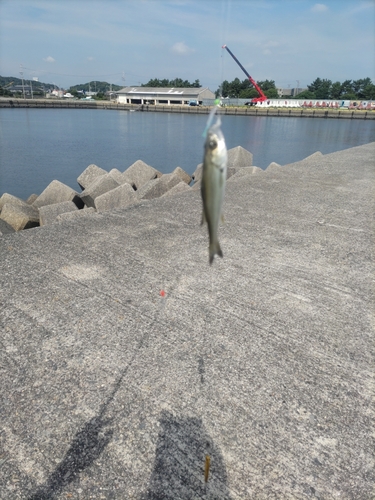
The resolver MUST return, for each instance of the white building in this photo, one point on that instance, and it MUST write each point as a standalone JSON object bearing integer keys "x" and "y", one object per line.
{"x": 159, "y": 95}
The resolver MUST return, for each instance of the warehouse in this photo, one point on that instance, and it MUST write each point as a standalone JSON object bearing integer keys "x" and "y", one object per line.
{"x": 158, "y": 95}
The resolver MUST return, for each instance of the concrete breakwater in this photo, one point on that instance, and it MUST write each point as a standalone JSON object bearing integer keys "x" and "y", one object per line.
{"x": 263, "y": 361}
{"x": 240, "y": 111}
{"x": 103, "y": 191}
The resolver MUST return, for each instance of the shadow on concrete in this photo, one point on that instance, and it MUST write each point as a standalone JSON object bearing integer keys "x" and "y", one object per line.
{"x": 180, "y": 455}
{"x": 179, "y": 464}
{"x": 87, "y": 445}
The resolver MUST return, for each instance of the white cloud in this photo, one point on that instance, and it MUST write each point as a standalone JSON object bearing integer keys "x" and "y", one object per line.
{"x": 49, "y": 59}
{"x": 319, "y": 7}
{"x": 181, "y": 48}
{"x": 90, "y": 58}
{"x": 267, "y": 46}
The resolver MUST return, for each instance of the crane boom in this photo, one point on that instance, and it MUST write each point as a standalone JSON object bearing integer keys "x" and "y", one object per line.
{"x": 262, "y": 97}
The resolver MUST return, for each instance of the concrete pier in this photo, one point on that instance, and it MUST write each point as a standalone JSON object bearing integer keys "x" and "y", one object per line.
{"x": 126, "y": 359}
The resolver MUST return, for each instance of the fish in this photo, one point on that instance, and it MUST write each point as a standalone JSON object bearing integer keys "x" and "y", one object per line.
{"x": 214, "y": 175}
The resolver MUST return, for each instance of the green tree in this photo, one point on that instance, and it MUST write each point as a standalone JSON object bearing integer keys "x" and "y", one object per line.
{"x": 235, "y": 88}
{"x": 305, "y": 94}
{"x": 315, "y": 85}
{"x": 176, "y": 83}
{"x": 346, "y": 87}
{"x": 245, "y": 89}
{"x": 321, "y": 88}
{"x": 369, "y": 92}
{"x": 5, "y": 92}
{"x": 267, "y": 85}
{"x": 248, "y": 93}
{"x": 335, "y": 90}
{"x": 350, "y": 96}
{"x": 271, "y": 93}
{"x": 360, "y": 85}
{"x": 100, "y": 96}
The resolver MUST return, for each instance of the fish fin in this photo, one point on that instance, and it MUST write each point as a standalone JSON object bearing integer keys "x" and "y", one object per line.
{"x": 215, "y": 249}
{"x": 203, "y": 220}
{"x": 222, "y": 219}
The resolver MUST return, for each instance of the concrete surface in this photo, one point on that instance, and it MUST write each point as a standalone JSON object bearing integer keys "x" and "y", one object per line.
{"x": 49, "y": 213}
{"x": 101, "y": 185}
{"x": 57, "y": 192}
{"x": 20, "y": 216}
{"x": 89, "y": 175}
{"x": 264, "y": 360}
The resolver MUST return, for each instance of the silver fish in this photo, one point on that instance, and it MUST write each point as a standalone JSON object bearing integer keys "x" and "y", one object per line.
{"x": 214, "y": 175}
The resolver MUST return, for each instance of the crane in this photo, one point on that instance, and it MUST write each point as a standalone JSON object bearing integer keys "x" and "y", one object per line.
{"x": 262, "y": 97}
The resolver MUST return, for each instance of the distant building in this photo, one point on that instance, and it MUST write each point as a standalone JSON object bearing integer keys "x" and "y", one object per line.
{"x": 19, "y": 88}
{"x": 159, "y": 95}
{"x": 289, "y": 92}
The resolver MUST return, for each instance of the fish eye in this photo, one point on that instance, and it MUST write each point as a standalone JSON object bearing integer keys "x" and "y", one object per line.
{"x": 212, "y": 144}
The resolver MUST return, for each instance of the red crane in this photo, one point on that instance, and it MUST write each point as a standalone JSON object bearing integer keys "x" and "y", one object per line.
{"x": 262, "y": 97}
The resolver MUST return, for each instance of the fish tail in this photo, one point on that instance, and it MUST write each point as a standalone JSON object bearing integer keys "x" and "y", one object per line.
{"x": 215, "y": 249}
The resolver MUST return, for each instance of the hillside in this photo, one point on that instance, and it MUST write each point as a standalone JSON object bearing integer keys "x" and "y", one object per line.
{"x": 7, "y": 80}
{"x": 94, "y": 86}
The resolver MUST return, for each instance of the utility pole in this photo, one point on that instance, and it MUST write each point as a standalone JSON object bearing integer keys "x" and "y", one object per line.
{"x": 23, "y": 87}
{"x": 31, "y": 89}
{"x": 297, "y": 87}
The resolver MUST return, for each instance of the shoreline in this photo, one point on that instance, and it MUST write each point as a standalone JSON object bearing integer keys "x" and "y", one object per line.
{"x": 240, "y": 111}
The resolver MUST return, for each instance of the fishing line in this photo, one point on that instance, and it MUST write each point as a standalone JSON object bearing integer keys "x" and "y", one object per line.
{"x": 225, "y": 21}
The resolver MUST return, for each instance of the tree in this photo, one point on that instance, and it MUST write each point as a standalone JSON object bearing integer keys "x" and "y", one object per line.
{"x": 176, "y": 83}
{"x": 93, "y": 85}
{"x": 99, "y": 96}
{"x": 271, "y": 93}
{"x": 324, "y": 90}
{"x": 335, "y": 90}
{"x": 321, "y": 88}
{"x": 346, "y": 87}
{"x": 305, "y": 94}
{"x": 248, "y": 93}
{"x": 235, "y": 88}
{"x": 267, "y": 85}
{"x": 350, "y": 96}
{"x": 360, "y": 85}
{"x": 5, "y": 92}
{"x": 369, "y": 91}
{"x": 223, "y": 91}
{"x": 245, "y": 89}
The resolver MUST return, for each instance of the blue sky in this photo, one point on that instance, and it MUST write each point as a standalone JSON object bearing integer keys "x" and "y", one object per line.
{"x": 130, "y": 41}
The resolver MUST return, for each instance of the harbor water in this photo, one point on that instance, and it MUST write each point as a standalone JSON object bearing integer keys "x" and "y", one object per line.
{"x": 40, "y": 145}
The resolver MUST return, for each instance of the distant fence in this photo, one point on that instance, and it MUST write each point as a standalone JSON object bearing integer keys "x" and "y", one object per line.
{"x": 297, "y": 103}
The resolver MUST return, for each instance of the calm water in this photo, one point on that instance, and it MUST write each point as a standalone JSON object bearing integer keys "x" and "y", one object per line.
{"x": 40, "y": 145}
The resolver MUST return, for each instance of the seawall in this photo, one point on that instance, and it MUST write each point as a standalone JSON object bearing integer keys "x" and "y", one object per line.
{"x": 126, "y": 358}
{"x": 240, "y": 111}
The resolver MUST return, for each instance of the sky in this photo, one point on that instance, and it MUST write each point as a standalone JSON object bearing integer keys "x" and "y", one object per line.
{"x": 128, "y": 42}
